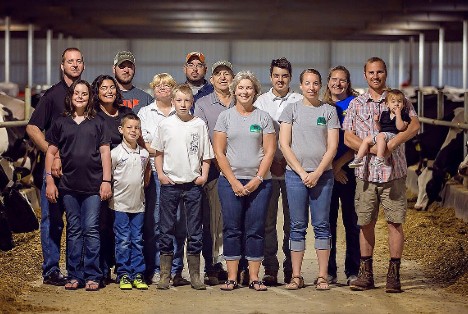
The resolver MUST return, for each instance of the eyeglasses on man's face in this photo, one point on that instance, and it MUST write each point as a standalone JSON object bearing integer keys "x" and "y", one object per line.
{"x": 191, "y": 65}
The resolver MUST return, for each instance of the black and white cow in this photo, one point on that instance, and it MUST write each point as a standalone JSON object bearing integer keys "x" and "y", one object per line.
{"x": 16, "y": 212}
{"x": 433, "y": 178}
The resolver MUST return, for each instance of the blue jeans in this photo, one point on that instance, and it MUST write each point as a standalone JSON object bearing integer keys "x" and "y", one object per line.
{"x": 152, "y": 232}
{"x": 318, "y": 200}
{"x": 244, "y": 220}
{"x": 51, "y": 231}
{"x": 83, "y": 241}
{"x": 129, "y": 244}
{"x": 345, "y": 193}
{"x": 171, "y": 197}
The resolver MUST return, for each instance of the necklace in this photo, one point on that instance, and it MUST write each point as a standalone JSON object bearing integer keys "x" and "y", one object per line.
{"x": 107, "y": 113}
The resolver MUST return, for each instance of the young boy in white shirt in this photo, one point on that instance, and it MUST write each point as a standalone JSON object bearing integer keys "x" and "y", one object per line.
{"x": 183, "y": 155}
{"x": 131, "y": 172}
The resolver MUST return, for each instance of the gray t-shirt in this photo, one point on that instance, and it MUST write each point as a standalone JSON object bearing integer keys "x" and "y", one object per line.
{"x": 310, "y": 127}
{"x": 136, "y": 99}
{"x": 244, "y": 149}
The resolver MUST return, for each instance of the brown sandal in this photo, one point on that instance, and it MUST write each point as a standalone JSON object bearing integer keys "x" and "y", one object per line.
{"x": 92, "y": 285}
{"x": 322, "y": 284}
{"x": 294, "y": 285}
{"x": 72, "y": 284}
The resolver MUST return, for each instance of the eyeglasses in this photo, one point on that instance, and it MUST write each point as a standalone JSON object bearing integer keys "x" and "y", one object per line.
{"x": 335, "y": 80}
{"x": 163, "y": 86}
{"x": 193, "y": 65}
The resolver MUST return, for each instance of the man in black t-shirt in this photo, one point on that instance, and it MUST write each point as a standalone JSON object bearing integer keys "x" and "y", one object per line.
{"x": 50, "y": 106}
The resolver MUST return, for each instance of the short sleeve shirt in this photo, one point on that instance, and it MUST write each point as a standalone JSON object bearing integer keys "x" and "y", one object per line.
{"x": 208, "y": 108}
{"x": 79, "y": 150}
{"x": 112, "y": 124}
{"x": 310, "y": 125}
{"x": 387, "y": 124}
{"x": 359, "y": 120}
{"x": 184, "y": 146}
{"x": 150, "y": 117}
{"x": 136, "y": 98}
{"x": 275, "y": 105}
{"x": 50, "y": 106}
{"x": 128, "y": 171}
{"x": 244, "y": 134}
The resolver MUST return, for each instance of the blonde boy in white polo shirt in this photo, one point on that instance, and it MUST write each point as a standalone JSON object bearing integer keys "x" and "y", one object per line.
{"x": 131, "y": 171}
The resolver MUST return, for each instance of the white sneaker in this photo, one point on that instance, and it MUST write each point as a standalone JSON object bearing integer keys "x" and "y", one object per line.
{"x": 377, "y": 162}
{"x": 356, "y": 163}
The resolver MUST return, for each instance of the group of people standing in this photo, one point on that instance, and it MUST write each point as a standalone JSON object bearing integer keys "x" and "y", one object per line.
{"x": 206, "y": 163}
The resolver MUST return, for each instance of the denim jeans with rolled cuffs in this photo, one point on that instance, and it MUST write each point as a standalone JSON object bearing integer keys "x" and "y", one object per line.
{"x": 152, "y": 232}
{"x": 51, "y": 231}
{"x": 244, "y": 220}
{"x": 171, "y": 197}
{"x": 83, "y": 242}
{"x": 317, "y": 199}
{"x": 129, "y": 244}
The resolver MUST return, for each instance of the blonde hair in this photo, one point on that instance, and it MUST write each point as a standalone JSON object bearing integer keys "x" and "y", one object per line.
{"x": 162, "y": 78}
{"x": 394, "y": 93}
{"x": 182, "y": 88}
{"x": 246, "y": 75}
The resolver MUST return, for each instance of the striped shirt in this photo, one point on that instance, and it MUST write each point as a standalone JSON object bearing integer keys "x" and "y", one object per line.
{"x": 359, "y": 119}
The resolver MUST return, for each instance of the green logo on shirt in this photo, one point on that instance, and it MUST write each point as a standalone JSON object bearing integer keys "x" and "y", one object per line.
{"x": 255, "y": 128}
{"x": 321, "y": 121}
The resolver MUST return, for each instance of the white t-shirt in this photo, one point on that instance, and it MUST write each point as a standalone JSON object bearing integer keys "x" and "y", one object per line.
{"x": 185, "y": 145}
{"x": 275, "y": 105}
{"x": 128, "y": 171}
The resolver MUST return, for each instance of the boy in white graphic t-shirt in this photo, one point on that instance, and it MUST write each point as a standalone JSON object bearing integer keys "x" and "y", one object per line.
{"x": 183, "y": 155}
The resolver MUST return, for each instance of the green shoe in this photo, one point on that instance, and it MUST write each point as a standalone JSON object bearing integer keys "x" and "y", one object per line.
{"x": 125, "y": 283}
{"x": 139, "y": 282}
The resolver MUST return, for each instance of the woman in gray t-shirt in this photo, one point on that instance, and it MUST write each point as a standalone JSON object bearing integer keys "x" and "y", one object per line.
{"x": 244, "y": 143}
{"x": 309, "y": 140}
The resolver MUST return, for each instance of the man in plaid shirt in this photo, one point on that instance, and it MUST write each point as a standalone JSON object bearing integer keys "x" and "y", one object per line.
{"x": 384, "y": 185}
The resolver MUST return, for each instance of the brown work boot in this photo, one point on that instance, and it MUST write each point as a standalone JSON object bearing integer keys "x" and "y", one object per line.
{"x": 365, "y": 279}
{"x": 193, "y": 261}
{"x": 166, "y": 264}
{"x": 393, "y": 278}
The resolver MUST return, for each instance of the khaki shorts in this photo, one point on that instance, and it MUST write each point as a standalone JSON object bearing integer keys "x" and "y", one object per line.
{"x": 391, "y": 195}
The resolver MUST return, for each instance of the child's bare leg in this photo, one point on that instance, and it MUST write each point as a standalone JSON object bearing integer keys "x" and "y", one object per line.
{"x": 381, "y": 145}
{"x": 364, "y": 148}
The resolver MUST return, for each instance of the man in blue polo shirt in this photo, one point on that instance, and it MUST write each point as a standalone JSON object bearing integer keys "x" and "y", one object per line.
{"x": 50, "y": 106}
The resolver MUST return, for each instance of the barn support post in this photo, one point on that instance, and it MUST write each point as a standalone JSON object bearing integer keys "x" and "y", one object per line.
{"x": 421, "y": 108}
{"x": 7, "y": 49}
{"x": 440, "y": 103}
{"x": 441, "y": 56}
{"x": 49, "y": 57}
{"x": 30, "y": 55}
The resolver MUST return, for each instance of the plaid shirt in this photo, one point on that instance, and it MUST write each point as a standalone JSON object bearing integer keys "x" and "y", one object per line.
{"x": 359, "y": 119}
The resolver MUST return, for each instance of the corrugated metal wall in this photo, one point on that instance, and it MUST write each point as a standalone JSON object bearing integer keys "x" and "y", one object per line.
{"x": 156, "y": 56}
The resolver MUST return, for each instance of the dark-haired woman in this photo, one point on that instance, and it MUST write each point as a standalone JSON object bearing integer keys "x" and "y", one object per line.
{"x": 107, "y": 99}
{"x": 83, "y": 143}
